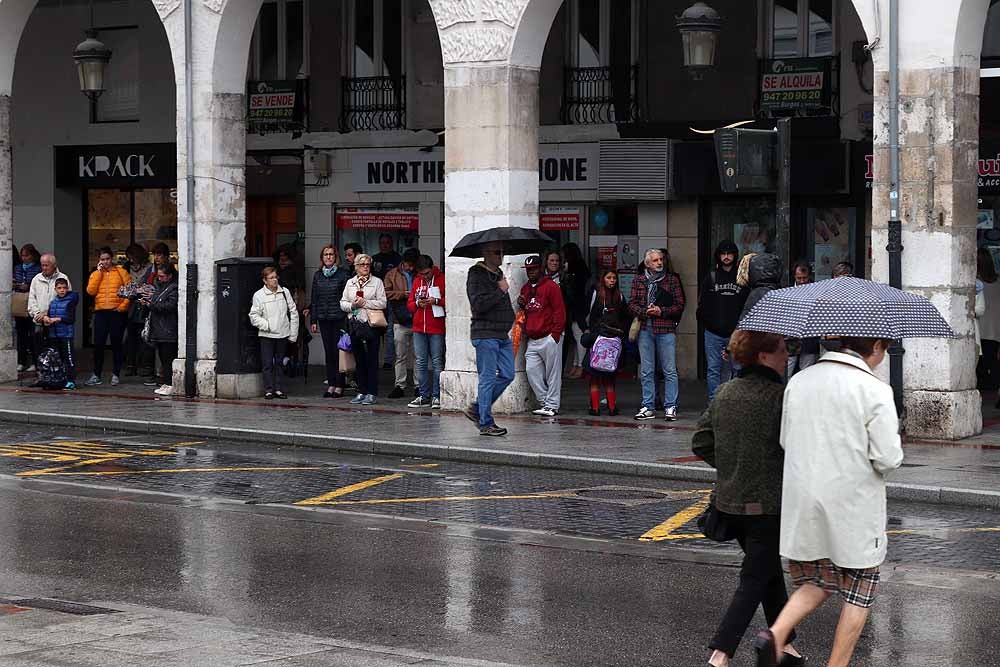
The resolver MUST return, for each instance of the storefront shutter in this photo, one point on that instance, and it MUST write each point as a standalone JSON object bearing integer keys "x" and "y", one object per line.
{"x": 636, "y": 170}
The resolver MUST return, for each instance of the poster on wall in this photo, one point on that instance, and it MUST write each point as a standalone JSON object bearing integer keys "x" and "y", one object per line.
{"x": 559, "y": 218}
{"x": 607, "y": 258}
{"x": 795, "y": 83}
{"x": 753, "y": 237}
{"x": 628, "y": 254}
{"x": 383, "y": 219}
{"x": 274, "y": 106}
{"x": 832, "y": 238}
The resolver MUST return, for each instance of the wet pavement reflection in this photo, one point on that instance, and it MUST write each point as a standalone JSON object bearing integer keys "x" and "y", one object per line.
{"x": 223, "y": 537}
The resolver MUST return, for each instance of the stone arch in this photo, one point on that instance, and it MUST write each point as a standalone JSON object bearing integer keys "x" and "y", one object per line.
{"x": 236, "y": 23}
{"x": 13, "y": 17}
{"x": 509, "y": 32}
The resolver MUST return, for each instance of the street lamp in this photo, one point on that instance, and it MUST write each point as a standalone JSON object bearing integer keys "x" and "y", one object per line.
{"x": 699, "y": 26}
{"x": 92, "y": 58}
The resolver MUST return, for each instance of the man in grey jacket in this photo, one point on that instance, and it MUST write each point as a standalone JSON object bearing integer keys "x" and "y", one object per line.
{"x": 492, "y": 318}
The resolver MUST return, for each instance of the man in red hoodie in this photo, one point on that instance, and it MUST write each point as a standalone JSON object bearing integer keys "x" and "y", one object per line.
{"x": 426, "y": 302}
{"x": 545, "y": 320}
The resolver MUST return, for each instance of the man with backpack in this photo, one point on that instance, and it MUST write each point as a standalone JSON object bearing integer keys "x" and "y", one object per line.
{"x": 720, "y": 302}
{"x": 398, "y": 287}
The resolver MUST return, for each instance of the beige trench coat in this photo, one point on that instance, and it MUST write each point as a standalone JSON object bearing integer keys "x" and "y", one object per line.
{"x": 840, "y": 434}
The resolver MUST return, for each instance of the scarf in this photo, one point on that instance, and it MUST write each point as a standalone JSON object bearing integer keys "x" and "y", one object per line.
{"x": 363, "y": 281}
{"x": 329, "y": 272}
{"x": 653, "y": 280}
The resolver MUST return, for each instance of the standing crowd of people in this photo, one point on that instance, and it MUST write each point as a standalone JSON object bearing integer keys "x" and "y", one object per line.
{"x": 134, "y": 309}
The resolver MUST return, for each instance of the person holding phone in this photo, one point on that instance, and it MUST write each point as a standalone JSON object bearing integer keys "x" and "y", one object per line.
{"x": 364, "y": 300}
{"x": 110, "y": 314}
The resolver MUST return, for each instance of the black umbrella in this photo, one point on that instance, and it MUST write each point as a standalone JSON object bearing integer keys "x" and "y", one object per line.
{"x": 515, "y": 240}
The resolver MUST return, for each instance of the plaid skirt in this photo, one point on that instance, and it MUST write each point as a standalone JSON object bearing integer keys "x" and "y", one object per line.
{"x": 857, "y": 587}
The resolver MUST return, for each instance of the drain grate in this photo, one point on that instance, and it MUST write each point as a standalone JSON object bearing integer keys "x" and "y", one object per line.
{"x": 630, "y": 496}
{"x": 62, "y": 606}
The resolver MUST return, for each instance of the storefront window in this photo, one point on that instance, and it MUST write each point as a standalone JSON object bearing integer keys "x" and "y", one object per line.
{"x": 614, "y": 241}
{"x": 749, "y": 223}
{"x": 366, "y": 226}
{"x": 833, "y": 239}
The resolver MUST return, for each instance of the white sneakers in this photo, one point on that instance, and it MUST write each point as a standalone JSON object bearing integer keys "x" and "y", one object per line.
{"x": 644, "y": 413}
{"x": 670, "y": 414}
{"x": 544, "y": 412}
{"x": 164, "y": 390}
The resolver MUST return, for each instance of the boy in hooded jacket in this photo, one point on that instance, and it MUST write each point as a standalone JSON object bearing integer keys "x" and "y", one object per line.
{"x": 720, "y": 301}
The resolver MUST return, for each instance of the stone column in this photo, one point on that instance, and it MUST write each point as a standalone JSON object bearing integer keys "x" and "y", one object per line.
{"x": 491, "y": 158}
{"x": 220, "y": 215}
{"x": 939, "y": 136}
{"x": 8, "y": 353}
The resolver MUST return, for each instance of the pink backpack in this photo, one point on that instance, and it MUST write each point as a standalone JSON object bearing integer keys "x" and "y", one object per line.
{"x": 605, "y": 354}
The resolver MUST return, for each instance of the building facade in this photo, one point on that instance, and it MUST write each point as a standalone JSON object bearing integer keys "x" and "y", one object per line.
{"x": 346, "y": 120}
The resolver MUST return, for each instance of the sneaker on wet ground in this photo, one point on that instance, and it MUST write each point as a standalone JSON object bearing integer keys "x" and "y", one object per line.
{"x": 493, "y": 430}
{"x": 151, "y": 382}
{"x": 419, "y": 402}
{"x": 30, "y": 369}
{"x": 544, "y": 412}
{"x": 164, "y": 390}
{"x": 93, "y": 381}
{"x": 435, "y": 404}
{"x": 70, "y": 386}
{"x": 20, "y": 368}
{"x": 645, "y": 413}
{"x": 369, "y": 400}
{"x": 670, "y": 414}
{"x": 115, "y": 381}
{"x": 357, "y": 399}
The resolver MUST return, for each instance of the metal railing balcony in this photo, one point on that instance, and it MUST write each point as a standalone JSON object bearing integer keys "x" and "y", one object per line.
{"x": 373, "y": 103}
{"x": 595, "y": 95}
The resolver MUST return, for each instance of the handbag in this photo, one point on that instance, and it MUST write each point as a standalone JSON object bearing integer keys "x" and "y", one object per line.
{"x": 19, "y": 304}
{"x": 376, "y": 319}
{"x": 360, "y": 330}
{"x": 345, "y": 361}
{"x": 633, "y": 331}
{"x": 716, "y": 525}
{"x": 344, "y": 343}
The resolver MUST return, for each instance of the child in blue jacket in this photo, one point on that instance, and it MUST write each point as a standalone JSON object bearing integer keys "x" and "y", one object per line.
{"x": 62, "y": 315}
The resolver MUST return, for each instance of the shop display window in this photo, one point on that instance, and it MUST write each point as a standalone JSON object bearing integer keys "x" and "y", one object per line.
{"x": 366, "y": 225}
{"x": 614, "y": 241}
{"x": 750, "y": 223}
{"x": 831, "y": 234}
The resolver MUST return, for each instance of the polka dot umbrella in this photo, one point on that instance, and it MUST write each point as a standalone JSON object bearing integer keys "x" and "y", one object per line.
{"x": 846, "y": 307}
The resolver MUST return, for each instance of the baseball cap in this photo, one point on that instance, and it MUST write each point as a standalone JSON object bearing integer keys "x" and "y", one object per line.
{"x": 534, "y": 260}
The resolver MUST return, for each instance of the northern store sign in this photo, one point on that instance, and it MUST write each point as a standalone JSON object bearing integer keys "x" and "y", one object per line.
{"x": 560, "y": 167}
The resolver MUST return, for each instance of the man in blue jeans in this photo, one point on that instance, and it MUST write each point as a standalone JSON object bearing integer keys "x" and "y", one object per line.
{"x": 657, "y": 299}
{"x": 492, "y": 318}
{"x": 720, "y": 302}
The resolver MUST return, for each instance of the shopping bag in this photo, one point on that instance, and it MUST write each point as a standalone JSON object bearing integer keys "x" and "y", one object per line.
{"x": 19, "y": 304}
{"x": 346, "y": 361}
{"x": 344, "y": 343}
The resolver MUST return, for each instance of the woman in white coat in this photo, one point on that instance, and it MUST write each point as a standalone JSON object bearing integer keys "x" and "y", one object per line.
{"x": 276, "y": 318}
{"x": 840, "y": 434}
{"x": 364, "y": 299}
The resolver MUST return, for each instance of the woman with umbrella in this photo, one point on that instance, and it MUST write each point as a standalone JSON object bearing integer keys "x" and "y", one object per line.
{"x": 840, "y": 433}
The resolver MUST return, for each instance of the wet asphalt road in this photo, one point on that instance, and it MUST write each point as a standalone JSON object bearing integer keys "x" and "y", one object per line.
{"x": 531, "y": 567}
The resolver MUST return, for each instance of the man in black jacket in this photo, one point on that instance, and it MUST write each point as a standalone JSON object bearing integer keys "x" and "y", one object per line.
{"x": 492, "y": 318}
{"x": 720, "y": 302}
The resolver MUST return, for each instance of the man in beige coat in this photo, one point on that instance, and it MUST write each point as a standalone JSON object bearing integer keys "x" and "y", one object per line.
{"x": 840, "y": 434}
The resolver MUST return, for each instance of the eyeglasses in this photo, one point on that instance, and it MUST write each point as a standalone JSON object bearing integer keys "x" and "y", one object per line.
{"x": 362, "y": 263}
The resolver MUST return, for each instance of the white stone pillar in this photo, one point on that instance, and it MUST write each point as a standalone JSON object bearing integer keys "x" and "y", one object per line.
{"x": 939, "y": 137}
{"x": 220, "y": 215}
{"x": 491, "y": 162}
{"x": 8, "y": 353}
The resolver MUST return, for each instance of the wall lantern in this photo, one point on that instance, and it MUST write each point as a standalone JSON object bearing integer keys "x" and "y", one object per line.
{"x": 699, "y": 26}
{"x": 92, "y": 58}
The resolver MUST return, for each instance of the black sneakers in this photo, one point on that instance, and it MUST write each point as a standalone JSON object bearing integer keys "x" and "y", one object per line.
{"x": 493, "y": 430}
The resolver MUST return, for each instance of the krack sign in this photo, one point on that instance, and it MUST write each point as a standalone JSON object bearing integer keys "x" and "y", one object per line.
{"x": 117, "y": 166}
{"x": 560, "y": 167}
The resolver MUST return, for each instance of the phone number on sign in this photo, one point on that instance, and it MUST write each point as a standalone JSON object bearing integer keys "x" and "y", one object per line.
{"x": 793, "y": 96}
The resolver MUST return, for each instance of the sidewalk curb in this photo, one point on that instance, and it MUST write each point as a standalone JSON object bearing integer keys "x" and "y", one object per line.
{"x": 895, "y": 491}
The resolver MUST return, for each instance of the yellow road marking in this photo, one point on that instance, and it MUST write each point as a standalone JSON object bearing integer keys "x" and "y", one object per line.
{"x": 368, "y": 483}
{"x": 105, "y": 458}
{"x": 667, "y": 528}
{"x": 165, "y": 470}
{"x": 187, "y": 443}
{"x": 422, "y": 465}
{"x": 386, "y": 501}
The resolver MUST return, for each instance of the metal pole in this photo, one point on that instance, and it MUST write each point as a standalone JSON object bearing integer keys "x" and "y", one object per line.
{"x": 895, "y": 241}
{"x": 191, "y": 266}
{"x": 783, "y": 214}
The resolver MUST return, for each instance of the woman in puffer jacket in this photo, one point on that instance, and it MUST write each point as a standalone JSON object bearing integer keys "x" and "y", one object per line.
{"x": 276, "y": 319}
{"x": 327, "y": 318}
{"x": 110, "y": 314}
